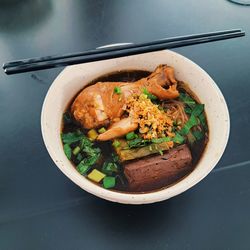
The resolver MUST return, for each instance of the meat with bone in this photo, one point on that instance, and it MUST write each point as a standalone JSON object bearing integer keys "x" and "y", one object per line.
{"x": 98, "y": 104}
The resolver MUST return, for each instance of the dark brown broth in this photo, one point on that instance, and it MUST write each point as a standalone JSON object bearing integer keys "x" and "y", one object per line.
{"x": 106, "y": 147}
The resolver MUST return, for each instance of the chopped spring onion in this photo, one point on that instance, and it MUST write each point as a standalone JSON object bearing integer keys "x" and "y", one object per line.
{"x": 116, "y": 144}
{"x": 117, "y": 90}
{"x": 108, "y": 182}
{"x": 67, "y": 150}
{"x": 76, "y": 150}
{"x": 102, "y": 130}
{"x": 96, "y": 175}
{"x": 131, "y": 136}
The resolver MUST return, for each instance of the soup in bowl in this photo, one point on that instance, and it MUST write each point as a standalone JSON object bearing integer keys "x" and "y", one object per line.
{"x": 137, "y": 129}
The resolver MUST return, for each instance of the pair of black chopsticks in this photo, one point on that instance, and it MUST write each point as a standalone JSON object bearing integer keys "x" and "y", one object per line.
{"x": 47, "y": 62}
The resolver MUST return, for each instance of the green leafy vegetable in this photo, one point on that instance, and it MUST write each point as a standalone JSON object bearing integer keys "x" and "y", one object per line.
{"x": 85, "y": 146}
{"x": 116, "y": 144}
{"x": 162, "y": 139}
{"x": 70, "y": 138}
{"x": 178, "y": 138}
{"x": 148, "y": 94}
{"x": 91, "y": 151}
{"x": 188, "y": 110}
{"x": 109, "y": 182}
{"x": 82, "y": 168}
{"x": 109, "y": 168}
{"x": 85, "y": 142}
{"x": 67, "y": 150}
{"x": 115, "y": 158}
{"x": 197, "y": 116}
{"x": 131, "y": 136}
{"x": 117, "y": 90}
{"x": 137, "y": 143}
{"x": 91, "y": 160}
{"x": 193, "y": 121}
{"x": 203, "y": 122}
{"x": 187, "y": 100}
{"x": 198, "y": 109}
{"x": 86, "y": 163}
{"x": 198, "y": 134}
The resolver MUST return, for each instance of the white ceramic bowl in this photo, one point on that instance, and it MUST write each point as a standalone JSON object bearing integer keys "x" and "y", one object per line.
{"x": 74, "y": 78}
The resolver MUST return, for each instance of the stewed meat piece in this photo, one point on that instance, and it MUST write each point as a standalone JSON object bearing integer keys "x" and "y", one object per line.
{"x": 155, "y": 172}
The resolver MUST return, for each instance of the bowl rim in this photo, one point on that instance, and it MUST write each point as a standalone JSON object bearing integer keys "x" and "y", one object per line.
{"x": 133, "y": 198}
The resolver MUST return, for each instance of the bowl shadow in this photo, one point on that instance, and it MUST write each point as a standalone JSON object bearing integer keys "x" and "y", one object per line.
{"x": 135, "y": 222}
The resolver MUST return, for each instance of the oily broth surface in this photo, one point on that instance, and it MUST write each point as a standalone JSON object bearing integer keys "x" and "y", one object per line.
{"x": 106, "y": 147}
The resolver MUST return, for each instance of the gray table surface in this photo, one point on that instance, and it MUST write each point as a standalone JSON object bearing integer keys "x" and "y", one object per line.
{"x": 40, "y": 208}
